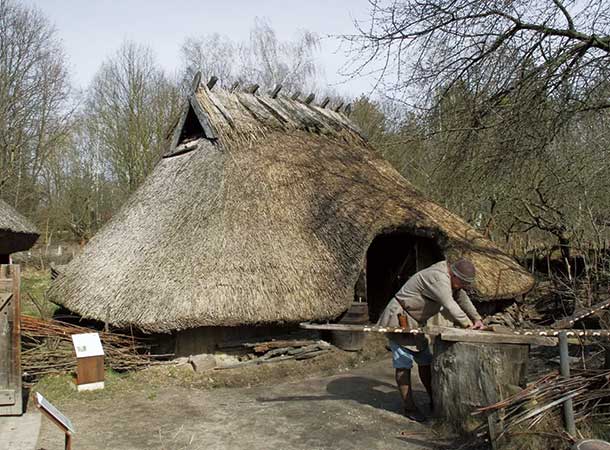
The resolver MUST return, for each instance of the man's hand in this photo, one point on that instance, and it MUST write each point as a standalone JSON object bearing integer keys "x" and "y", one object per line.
{"x": 478, "y": 325}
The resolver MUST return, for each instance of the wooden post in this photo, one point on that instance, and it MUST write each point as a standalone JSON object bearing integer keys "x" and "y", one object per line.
{"x": 310, "y": 98}
{"x": 212, "y": 82}
{"x": 10, "y": 341}
{"x": 564, "y": 359}
{"x": 468, "y": 375}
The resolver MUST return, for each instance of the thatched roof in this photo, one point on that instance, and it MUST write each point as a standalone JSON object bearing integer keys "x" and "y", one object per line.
{"x": 16, "y": 232}
{"x": 262, "y": 211}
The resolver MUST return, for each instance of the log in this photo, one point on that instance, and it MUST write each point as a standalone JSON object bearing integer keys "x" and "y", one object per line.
{"x": 467, "y": 376}
{"x": 309, "y": 355}
{"x": 256, "y": 361}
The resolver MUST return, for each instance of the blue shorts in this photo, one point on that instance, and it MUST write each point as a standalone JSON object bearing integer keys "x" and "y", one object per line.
{"x": 402, "y": 357}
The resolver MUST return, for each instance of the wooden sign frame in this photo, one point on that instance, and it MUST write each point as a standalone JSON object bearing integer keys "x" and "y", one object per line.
{"x": 55, "y": 416}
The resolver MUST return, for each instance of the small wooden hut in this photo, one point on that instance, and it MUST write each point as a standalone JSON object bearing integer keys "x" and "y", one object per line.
{"x": 266, "y": 210}
{"x": 16, "y": 232}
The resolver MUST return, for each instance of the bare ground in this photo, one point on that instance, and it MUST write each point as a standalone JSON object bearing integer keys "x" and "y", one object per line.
{"x": 290, "y": 405}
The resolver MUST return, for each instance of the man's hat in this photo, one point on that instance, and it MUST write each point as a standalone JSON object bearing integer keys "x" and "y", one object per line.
{"x": 464, "y": 270}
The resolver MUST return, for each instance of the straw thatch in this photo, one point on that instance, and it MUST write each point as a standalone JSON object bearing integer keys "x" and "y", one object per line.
{"x": 261, "y": 212}
{"x": 16, "y": 232}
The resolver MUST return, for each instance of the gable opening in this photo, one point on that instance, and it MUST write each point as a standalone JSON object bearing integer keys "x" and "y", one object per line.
{"x": 192, "y": 129}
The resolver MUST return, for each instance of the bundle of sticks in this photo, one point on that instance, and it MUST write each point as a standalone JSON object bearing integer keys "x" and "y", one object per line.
{"x": 588, "y": 389}
{"x": 47, "y": 348}
{"x": 275, "y": 351}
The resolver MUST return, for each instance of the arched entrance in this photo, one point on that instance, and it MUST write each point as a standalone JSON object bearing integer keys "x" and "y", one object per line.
{"x": 391, "y": 259}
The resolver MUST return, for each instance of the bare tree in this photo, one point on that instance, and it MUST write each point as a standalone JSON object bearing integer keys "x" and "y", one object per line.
{"x": 34, "y": 95}
{"x": 129, "y": 107}
{"x": 213, "y": 55}
{"x": 508, "y": 98}
{"x": 80, "y": 192}
{"x": 556, "y": 46}
{"x": 264, "y": 59}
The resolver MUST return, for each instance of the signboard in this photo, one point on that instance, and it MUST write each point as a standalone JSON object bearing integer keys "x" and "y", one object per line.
{"x": 61, "y": 420}
{"x": 87, "y": 344}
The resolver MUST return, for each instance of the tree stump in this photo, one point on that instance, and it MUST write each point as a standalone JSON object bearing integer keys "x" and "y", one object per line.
{"x": 468, "y": 375}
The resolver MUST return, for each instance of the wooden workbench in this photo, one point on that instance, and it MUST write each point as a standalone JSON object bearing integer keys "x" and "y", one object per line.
{"x": 446, "y": 333}
{"x": 470, "y": 369}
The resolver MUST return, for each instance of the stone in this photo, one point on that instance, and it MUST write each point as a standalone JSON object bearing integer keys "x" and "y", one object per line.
{"x": 202, "y": 362}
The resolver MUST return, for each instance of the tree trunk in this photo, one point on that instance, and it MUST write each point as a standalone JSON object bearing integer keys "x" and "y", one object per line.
{"x": 466, "y": 376}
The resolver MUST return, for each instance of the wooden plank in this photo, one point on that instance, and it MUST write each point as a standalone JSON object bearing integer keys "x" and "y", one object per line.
{"x": 311, "y": 117}
{"x": 10, "y": 339}
{"x": 203, "y": 118}
{"x": 266, "y": 346}
{"x": 255, "y": 106}
{"x": 366, "y": 328}
{"x": 277, "y": 109}
{"x": 453, "y": 334}
{"x": 486, "y": 337}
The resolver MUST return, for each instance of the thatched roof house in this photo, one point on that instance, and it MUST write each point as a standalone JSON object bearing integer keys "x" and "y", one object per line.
{"x": 16, "y": 232}
{"x": 262, "y": 211}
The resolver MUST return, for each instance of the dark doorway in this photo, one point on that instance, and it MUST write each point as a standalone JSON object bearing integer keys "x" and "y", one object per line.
{"x": 391, "y": 259}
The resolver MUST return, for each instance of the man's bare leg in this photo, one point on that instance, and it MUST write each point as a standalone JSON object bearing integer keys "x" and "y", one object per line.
{"x": 403, "y": 381}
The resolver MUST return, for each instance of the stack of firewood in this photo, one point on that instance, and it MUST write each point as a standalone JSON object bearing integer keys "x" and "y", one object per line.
{"x": 274, "y": 351}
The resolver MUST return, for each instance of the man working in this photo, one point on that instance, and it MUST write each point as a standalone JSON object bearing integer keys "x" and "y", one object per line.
{"x": 421, "y": 297}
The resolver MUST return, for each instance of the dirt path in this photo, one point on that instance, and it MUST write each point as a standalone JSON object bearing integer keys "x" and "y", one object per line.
{"x": 354, "y": 410}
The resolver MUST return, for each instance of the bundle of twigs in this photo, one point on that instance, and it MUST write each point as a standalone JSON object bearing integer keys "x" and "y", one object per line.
{"x": 588, "y": 389}
{"x": 47, "y": 348}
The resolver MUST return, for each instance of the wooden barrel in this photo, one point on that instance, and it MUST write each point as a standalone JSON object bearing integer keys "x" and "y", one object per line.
{"x": 351, "y": 341}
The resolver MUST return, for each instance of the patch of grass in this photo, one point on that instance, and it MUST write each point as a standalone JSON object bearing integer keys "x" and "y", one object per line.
{"x": 59, "y": 388}
{"x": 55, "y": 388}
{"x": 34, "y": 285}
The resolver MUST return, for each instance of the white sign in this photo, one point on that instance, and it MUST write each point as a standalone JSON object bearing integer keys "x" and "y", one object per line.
{"x": 53, "y": 411}
{"x": 87, "y": 344}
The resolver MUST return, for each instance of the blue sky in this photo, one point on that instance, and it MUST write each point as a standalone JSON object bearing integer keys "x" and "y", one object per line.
{"x": 92, "y": 30}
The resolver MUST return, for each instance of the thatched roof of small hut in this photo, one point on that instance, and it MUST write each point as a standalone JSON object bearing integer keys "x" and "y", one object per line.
{"x": 16, "y": 232}
{"x": 261, "y": 212}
